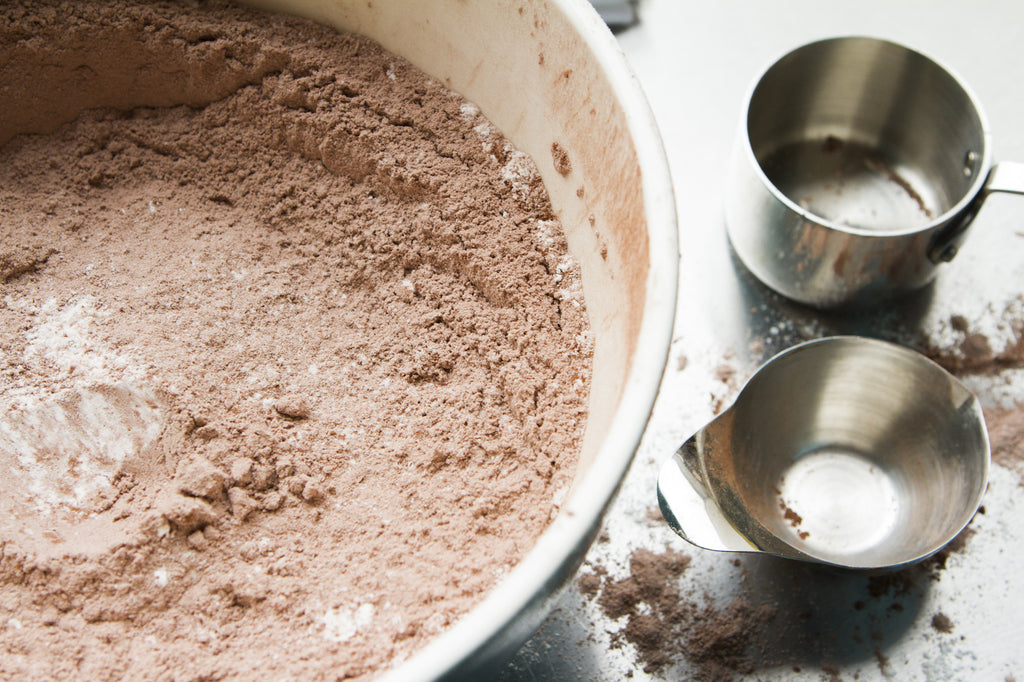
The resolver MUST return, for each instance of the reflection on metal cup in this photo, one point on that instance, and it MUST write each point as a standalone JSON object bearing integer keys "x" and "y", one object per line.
{"x": 859, "y": 167}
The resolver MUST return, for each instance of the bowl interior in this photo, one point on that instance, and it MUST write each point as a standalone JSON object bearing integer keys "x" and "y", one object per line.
{"x": 536, "y": 79}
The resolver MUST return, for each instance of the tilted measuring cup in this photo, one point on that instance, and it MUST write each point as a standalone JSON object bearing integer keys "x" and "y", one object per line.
{"x": 845, "y": 451}
{"x": 859, "y": 167}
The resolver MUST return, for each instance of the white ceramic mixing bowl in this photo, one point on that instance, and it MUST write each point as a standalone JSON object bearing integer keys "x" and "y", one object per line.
{"x": 551, "y": 76}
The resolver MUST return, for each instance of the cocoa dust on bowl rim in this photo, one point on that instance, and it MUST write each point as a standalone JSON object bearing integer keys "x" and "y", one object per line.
{"x": 843, "y": 451}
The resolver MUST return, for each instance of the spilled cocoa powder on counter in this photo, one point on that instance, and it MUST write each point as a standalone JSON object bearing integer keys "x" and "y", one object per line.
{"x": 972, "y": 354}
{"x": 1006, "y": 435}
{"x": 781, "y": 616}
{"x": 293, "y": 359}
{"x": 664, "y": 625}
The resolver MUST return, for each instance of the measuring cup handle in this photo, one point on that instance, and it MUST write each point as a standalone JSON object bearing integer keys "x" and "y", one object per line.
{"x": 1006, "y": 177}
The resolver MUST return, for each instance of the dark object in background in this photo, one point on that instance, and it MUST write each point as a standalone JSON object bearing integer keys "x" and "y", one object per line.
{"x": 618, "y": 14}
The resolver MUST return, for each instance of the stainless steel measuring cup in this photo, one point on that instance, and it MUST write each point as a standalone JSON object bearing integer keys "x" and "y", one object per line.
{"x": 859, "y": 167}
{"x": 844, "y": 451}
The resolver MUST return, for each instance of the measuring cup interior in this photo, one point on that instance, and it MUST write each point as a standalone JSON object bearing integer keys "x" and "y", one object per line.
{"x": 856, "y": 453}
{"x": 867, "y": 134}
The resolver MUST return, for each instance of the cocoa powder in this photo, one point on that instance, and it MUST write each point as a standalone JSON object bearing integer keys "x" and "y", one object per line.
{"x": 294, "y": 360}
{"x": 649, "y": 599}
{"x": 942, "y": 623}
{"x": 1006, "y": 435}
{"x": 664, "y": 625}
{"x": 964, "y": 350}
{"x": 767, "y": 622}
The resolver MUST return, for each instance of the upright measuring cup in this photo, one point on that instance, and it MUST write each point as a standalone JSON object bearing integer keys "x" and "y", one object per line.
{"x": 859, "y": 167}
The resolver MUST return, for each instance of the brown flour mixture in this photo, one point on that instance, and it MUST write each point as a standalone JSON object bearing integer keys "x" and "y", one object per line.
{"x": 293, "y": 361}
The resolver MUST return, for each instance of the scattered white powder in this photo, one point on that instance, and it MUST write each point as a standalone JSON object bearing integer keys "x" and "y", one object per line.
{"x": 164, "y": 529}
{"x": 341, "y": 624}
{"x": 64, "y": 446}
{"x": 63, "y": 337}
{"x": 544, "y": 233}
{"x": 469, "y": 111}
{"x": 520, "y": 173}
{"x": 67, "y": 450}
{"x": 565, "y": 265}
{"x": 484, "y": 130}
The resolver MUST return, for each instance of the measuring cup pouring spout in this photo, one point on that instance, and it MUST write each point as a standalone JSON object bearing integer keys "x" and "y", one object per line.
{"x": 690, "y": 506}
